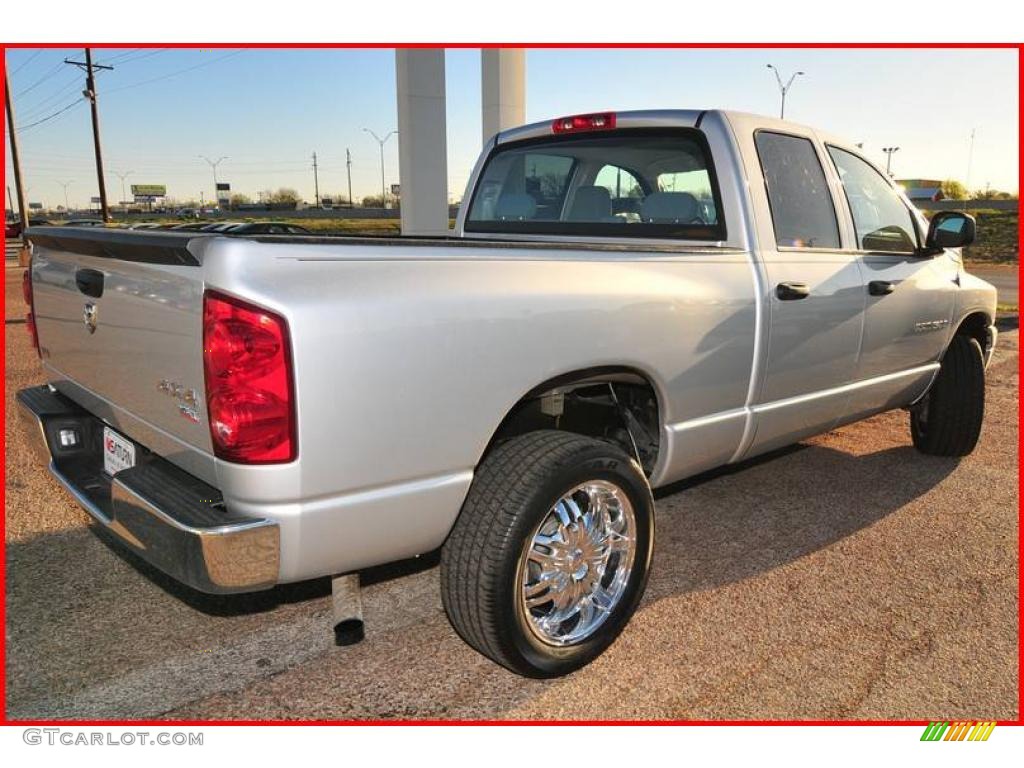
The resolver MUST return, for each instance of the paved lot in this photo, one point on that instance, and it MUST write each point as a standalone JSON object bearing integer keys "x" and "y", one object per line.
{"x": 1005, "y": 277}
{"x": 848, "y": 578}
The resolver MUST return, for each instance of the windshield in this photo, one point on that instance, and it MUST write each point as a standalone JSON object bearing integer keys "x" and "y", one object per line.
{"x": 624, "y": 184}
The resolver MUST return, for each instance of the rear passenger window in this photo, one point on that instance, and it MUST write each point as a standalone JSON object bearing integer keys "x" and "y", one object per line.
{"x": 802, "y": 209}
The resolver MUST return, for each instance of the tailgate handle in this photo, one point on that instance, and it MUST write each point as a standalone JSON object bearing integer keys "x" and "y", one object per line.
{"x": 90, "y": 282}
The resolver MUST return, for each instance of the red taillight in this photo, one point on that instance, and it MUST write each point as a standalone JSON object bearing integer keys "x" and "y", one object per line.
{"x": 599, "y": 121}
{"x": 30, "y": 317}
{"x": 249, "y": 397}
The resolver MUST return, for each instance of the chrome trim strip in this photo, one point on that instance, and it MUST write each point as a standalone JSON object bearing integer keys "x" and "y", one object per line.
{"x": 703, "y": 421}
{"x": 844, "y": 389}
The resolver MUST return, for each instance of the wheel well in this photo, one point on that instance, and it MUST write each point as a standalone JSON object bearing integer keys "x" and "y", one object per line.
{"x": 619, "y": 405}
{"x": 976, "y": 325}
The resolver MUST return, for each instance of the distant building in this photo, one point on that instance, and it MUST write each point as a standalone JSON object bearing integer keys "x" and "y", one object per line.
{"x": 922, "y": 189}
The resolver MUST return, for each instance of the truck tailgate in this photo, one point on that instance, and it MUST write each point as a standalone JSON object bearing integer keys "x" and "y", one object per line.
{"x": 119, "y": 319}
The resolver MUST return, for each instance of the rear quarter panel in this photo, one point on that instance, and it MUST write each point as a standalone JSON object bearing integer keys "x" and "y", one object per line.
{"x": 406, "y": 364}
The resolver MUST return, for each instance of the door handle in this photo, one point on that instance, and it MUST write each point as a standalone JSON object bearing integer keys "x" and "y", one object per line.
{"x": 90, "y": 282}
{"x": 792, "y": 291}
{"x": 881, "y": 287}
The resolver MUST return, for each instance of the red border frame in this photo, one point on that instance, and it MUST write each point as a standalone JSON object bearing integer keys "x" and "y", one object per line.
{"x": 515, "y": 723}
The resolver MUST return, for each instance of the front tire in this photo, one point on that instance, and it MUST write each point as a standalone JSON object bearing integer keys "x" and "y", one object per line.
{"x": 948, "y": 421}
{"x": 549, "y": 557}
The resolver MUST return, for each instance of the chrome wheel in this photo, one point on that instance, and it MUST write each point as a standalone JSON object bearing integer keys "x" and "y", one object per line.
{"x": 576, "y": 564}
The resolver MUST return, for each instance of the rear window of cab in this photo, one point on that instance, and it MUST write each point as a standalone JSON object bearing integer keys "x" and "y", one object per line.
{"x": 626, "y": 183}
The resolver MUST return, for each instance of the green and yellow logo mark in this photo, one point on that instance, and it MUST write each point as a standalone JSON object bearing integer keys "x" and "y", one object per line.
{"x": 963, "y": 730}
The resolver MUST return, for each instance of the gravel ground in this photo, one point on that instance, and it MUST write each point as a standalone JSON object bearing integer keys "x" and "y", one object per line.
{"x": 849, "y": 577}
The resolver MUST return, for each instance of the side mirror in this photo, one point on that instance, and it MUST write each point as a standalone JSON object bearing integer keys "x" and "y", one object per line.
{"x": 949, "y": 229}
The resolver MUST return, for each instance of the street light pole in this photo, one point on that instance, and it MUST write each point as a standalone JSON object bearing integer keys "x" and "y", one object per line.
{"x": 66, "y": 184}
{"x": 122, "y": 177}
{"x": 383, "y": 191}
{"x": 213, "y": 164}
{"x": 316, "y": 182}
{"x": 784, "y": 89}
{"x": 348, "y": 166}
{"x": 970, "y": 162}
{"x": 888, "y": 159}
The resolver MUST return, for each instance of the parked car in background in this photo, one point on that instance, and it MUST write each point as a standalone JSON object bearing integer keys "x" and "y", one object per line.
{"x": 267, "y": 228}
{"x": 187, "y": 213}
{"x": 12, "y": 229}
{"x": 222, "y": 226}
{"x": 83, "y": 223}
{"x": 248, "y": 413}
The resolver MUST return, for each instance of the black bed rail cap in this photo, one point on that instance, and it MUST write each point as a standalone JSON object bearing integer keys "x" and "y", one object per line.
{"x": 124, "y": 244}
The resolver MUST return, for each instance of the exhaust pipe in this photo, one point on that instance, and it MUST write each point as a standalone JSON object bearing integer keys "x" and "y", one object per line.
{"x": 347, "y": 609}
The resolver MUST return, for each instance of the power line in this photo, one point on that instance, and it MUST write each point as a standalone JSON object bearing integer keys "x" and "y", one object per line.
{"x": 145, "y": 54}
{"x": 120, "y": 56}
{"x": 50, "y": 117}
{"x": 47, "y": 103}
{"x": 27, "y": 61}
{"x": 175, "y": 73}
{"x": 49, "y": 73}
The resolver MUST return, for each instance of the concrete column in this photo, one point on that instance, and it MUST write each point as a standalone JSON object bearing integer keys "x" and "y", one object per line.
{"x": 503, "y": 86}
{"x": 422, "y": 141}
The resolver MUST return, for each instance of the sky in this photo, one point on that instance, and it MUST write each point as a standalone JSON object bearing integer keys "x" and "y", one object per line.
{"x": 268, "y": 110}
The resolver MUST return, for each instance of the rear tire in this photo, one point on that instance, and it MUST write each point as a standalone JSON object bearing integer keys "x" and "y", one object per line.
{"x": 554, "y": 522}
{"x": 948, "y": 421}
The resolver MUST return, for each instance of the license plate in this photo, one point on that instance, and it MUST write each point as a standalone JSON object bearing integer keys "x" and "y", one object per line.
{"x": 118, "y": 452}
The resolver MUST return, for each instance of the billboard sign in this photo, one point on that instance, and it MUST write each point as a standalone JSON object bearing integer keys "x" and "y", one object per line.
{"x": 35, "y": 206}
{"x": 149, "y": 190}
{"x": 222, "y": 187}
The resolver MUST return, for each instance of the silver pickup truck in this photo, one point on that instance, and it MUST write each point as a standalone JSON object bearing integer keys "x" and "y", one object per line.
{"x": 627, "y": 299}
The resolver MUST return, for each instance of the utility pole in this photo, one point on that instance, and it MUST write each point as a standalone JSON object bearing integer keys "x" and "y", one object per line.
{"x": 383, "y": 190}
{"x": 888, "y": 159}
{"x": 784, "y": 89}
{"x": 213, "y": 164}
{"x": 348, "y": 167}
{"x": 122, "y": 177}
{"x": 19, "y": 183}
{"x": 66, "y": 184}
{"x": 90, "y": 94}
{"x": 316, "y": 183}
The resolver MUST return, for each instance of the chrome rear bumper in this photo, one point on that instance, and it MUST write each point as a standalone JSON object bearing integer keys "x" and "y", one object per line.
{"x": 169, "y": 518}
